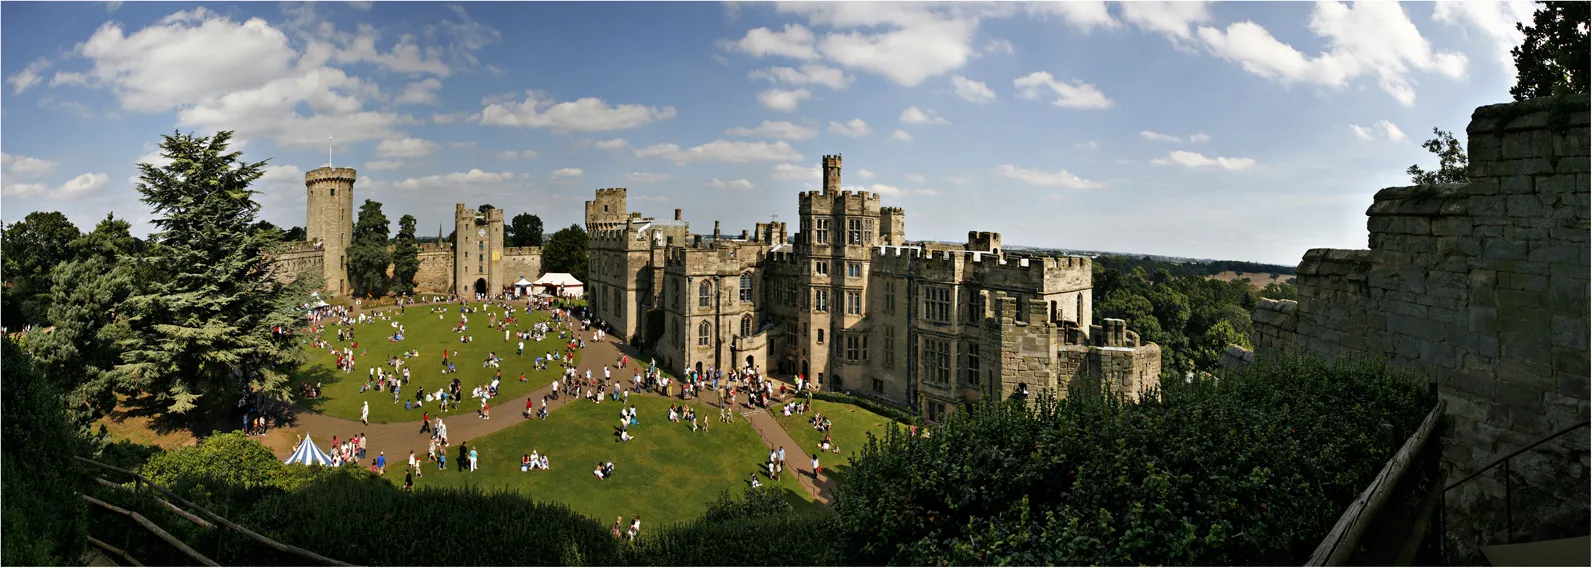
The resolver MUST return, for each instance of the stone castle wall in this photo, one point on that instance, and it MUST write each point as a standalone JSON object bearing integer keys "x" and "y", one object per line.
{"x": 1484, "y": 287}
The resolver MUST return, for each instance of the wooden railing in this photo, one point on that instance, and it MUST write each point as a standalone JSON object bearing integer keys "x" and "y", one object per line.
{"x": 140, "y": 482}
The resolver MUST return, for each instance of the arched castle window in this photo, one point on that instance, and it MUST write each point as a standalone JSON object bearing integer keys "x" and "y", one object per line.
{"x": 703, "y": 331}
{"x": 746, "y": 325}
{"x": 746, "y": 287}
{"x": 705, "y": 294}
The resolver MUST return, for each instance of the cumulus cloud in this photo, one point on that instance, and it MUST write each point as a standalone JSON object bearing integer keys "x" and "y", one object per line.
{"x": 866, "y": 174}
{"x": 405, "y": 148}
{"x": 1197, "y": 160}
{"x": 915, "y": 115}
{"x": 796, "y": 172}
{"x": 76, "y": 187}
{"x": 423, "y": 92}
{"x": 382, "y": 165}
{"x": 901, "y": 135}
{"x": 644, "y": 177}
{"x": 972, "y": 91}
{"x": 998, "y": 46}
{"x": 567, "y": 173}
{"x": 783, "y": 100}
{"x": 795, "y": 41}
{"x": 889, "y": 190}
{"x": 1496, "y": 20}
{"x": 1379, "y": 130}
{"x": 854, "y": 128}
{"x": 773, "y": 129}
{"x": 450, "y": 182}
{"x": 1199, "y": 137}
{"x": 1061, "y": 178}
{"x": 737, "y": 184}
{"x": 614, "y": 144}
{"x": 589, "y": 114}
{"x": 1154, "y": 136}
{"x": 807, "y": 75}
{"x": 1073, "y": 95}
{"x": 1083, "y": 15}
{"x": 24, "y": 165}
{"x": 28, "y": 76}
{"x": 724, "y": 151}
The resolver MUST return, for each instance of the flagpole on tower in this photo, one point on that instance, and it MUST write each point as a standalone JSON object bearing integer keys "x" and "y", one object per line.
{"x": 328, "y": 151}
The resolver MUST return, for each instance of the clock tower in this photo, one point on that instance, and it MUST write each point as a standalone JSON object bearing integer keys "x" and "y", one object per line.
{"x": 477, "y": 252}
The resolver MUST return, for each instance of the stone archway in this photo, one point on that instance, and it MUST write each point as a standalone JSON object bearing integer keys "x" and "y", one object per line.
{"x": 480, "y": 285}
{"x": 804, "y": 367}
{"x": 750, "y": 362}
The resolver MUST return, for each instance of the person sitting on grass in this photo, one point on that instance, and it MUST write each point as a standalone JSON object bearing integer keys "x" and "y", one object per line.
{"x": 624, "y": 436}
{"x": 828, "y": 446}
{"x": 755, "y": 483}
{"x": 599, "y": 471}
{"x": 525, "y": 463}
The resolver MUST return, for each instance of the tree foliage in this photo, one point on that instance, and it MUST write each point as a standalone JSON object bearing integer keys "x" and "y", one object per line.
{"x": 44, "y": 522}
{"x": 525, "y": 230}
{"x": 368, "y": 255}
{"x": 1176, "y": 313}
{"x": 1552, "y": 60}
{"x": 566, "y": 252}
{"x": 205, "y": 321}
{"x": 405, "y": 256}
{"x": 295, "y": 234}
{"x": 32, "y": 249}
{"x": 1451, "y": 161}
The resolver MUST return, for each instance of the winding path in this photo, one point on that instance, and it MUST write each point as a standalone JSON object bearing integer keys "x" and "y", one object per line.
{"x": 401, "y": 437}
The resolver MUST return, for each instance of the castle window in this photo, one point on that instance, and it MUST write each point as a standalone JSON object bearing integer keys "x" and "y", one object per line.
{"x": 878, "y": 386}
{"x": 674, "y": 334}
{"x": 854, "y": 231}
{"x": 854, "y": 270}
{"x": 678, "y": 302}
{"x": 746, "y": 287}
{"x": 867, "y": 233}
{"x": 820, "y": 336}
{"x": 821, "y": 267}
{"x": 1022, "y": 309}
{"x": 936, "y": 361}
{"x": 937, "y": 304}
{"x": 889, "y": 297}
{"x": 823, "y": 231}
{"x": 746, "y": 325}
{"x": 820, "y": 300}
{"x": 703, "y": 331}
{"x": 854, "y": 302}
{"x": 889, "y": 347}
{"x": 975, "y": 306}
{"x": 480, "y": 257}
{"x": 972, "y": 364}
{"x": 857, "y": 348}
{"x": 705, "y": 294}
{"x": 480, "y": 245}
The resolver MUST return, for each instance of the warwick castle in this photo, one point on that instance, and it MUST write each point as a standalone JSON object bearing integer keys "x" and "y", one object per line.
{"x": 851, "y": 303}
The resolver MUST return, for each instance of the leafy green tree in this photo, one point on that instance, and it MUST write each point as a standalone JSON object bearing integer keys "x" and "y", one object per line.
{"x": 205, "y": 323}
{"x": 44, "y": 521}
{"x": 405, "y": 256}
{"x": 1279, "y": 291}
{"x": 1553, "y": 58}
{"x": 295, "y": 234}
{"x": 566, "y": 252}
{"x": 368, "y": 255}
{"x": 33, "y": 248}
{"x": 1451, "y": 161}
{"x": 1208, "y": 349}
{"x": 484, "y": 208}
{"x": 81, "y": 353}
{"x": 525, "y": 230}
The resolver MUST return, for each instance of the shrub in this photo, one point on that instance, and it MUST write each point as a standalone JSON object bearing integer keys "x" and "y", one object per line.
{"x": 43, "y": 519}
{"x": 1253, "y": 468}
{"x": 873, "y": 405}
{"x": 762, "y": 530}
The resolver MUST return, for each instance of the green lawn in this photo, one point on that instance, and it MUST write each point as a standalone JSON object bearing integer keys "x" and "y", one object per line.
{"x": 340, "y": 396}
{"x": 666, "y": 474}
{"x": 849, "y": 432}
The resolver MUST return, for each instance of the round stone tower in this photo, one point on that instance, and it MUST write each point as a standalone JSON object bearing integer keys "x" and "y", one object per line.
{"x": 329, "y": 210}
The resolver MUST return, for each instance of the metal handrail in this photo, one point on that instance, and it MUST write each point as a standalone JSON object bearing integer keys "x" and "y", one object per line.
{"x": 1509, "y": 507}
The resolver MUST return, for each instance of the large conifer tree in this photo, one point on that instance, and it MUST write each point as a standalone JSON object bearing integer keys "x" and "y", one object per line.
{"x": 405, "y": 256}
{"x": 205, "y": 325}
{"x": 368, "y": 256}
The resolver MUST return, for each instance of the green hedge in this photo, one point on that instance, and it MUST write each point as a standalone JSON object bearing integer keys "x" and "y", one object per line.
{"x": 43, "y": 519}
{"x": 760, "y": 529}
{"x": 1250, "y": 469}
{"x": 873, "y": 405}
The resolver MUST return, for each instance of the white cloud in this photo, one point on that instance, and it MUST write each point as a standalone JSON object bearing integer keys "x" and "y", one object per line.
{"x": 783, "y": 100}
{"x": 614, "y": 144}
{"x": 644, "y": 177}
{"x": 998, "y": 46}
{"x": 959, "y": 180}
{"x": 382, "y": 165}
{"x": 794, "y": 41}
{"x": 25, "y": 166}
{"x": 448, "y": 118}
{"x": 405, "y": 148}
{"x": 588, "y": 114}
{"x": 1083, "y": 15}
{"x": 76, "y": 187}
{"x": 972, "y": 91}
{"x": 1047, "y": 179}
{"x": 916, "y": 178}
{"x": 915, "y": 115}
{"x": 906, "y": 43}
{"x": 724, "y": 151}
{"x": 901, "y": 135}
{"x": 1379, "y": 130}
{"x": 866, "y": 174}
{"x": 568, "y": 173}
{"x": 1199, "y": 137}
{"x": 1496, "y": 20}
{"x": 808, "y": 74}
{"x": 423, "y": 92}
{"x": 512, "y": 155}
{"x": 1369, "y": 38}
{"x": 1172, "y": 19}
{"x": 890, "y": 190}
{"x": 1158, "y": 137}
{"x": 28, "y": 76}
{"x": 738, "y": 184}
{"x": 450, "y": 182}
{"x": 405, "y": 57}
{"x": 1197, "y": 160}
{"x": 796, "y": 172}
{"x": 1075, "y": 95}
{"x": 772, "y": 129}
{"x": 854, "y": 128}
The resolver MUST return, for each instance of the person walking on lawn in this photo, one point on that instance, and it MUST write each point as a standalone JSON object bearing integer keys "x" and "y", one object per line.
{"x": 425, "y": 422}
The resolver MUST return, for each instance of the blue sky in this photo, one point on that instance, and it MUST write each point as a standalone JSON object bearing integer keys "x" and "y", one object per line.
{"x": 1249, "y": 131}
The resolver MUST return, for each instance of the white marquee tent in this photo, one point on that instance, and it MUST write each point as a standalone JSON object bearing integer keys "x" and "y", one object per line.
{"x": 309, "y": 454}
{"x": 561, "y": 284}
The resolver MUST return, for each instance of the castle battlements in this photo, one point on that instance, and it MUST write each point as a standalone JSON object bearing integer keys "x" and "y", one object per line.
{"x": 611, "y": 192}
{"x": 346, "y": 175}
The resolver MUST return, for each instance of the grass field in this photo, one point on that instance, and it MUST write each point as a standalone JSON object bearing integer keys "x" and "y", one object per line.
{"x": 666, "y": 474}
{"x": 340, "y": 396}
{"x": 1256, "y": 279}
{"x": 849, "y": 432}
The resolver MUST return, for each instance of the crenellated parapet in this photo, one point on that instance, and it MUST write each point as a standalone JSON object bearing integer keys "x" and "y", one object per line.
{"x": 331, "y": 175}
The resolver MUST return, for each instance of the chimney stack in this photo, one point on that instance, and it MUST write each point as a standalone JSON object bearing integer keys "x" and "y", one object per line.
{"x": 743, "y": 234}
{"x": 677, "y": 213}
{"x": 715, "y": 230}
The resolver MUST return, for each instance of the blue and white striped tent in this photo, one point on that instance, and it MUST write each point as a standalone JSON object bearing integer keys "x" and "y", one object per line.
{"x": 309, "y": 454}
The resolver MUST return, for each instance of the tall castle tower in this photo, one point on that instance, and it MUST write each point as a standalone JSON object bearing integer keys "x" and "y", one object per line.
{"x": 838, "y": 232}
{"x": 329, "y": 209}
{"x": 607, "y": 212}
{"x": 477, "y": 251}
{"x": 832, "y": 173}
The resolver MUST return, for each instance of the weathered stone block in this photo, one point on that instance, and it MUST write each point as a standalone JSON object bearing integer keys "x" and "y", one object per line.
{"x": 1517, "y": 185}
{"x": 1518, "y": 373}
{"x": 1573, "y": 165}
{"x": 1579, "y": 386}
{"x": 1525, "y": 207}
{"x": 1503, "y": 249}
{"x": 1570, "y": 142}
{"x": 1570, "y": 362}
{"x": 1563, "y": 253}
{"x": 1447, "y": 227}
{"x": 1526, "y": 167}
{"x": 1525, "y": 282}
{"x": 1463, "y": 382}
{"x": 1517, "y": 145}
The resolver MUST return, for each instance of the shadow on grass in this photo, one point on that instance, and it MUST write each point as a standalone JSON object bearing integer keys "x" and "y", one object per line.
{"x": 314, "y": 375}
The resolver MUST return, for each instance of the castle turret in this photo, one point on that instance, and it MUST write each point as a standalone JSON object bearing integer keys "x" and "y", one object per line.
{"x": 832, "y": 173}
{"x": 329, "y": 211}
